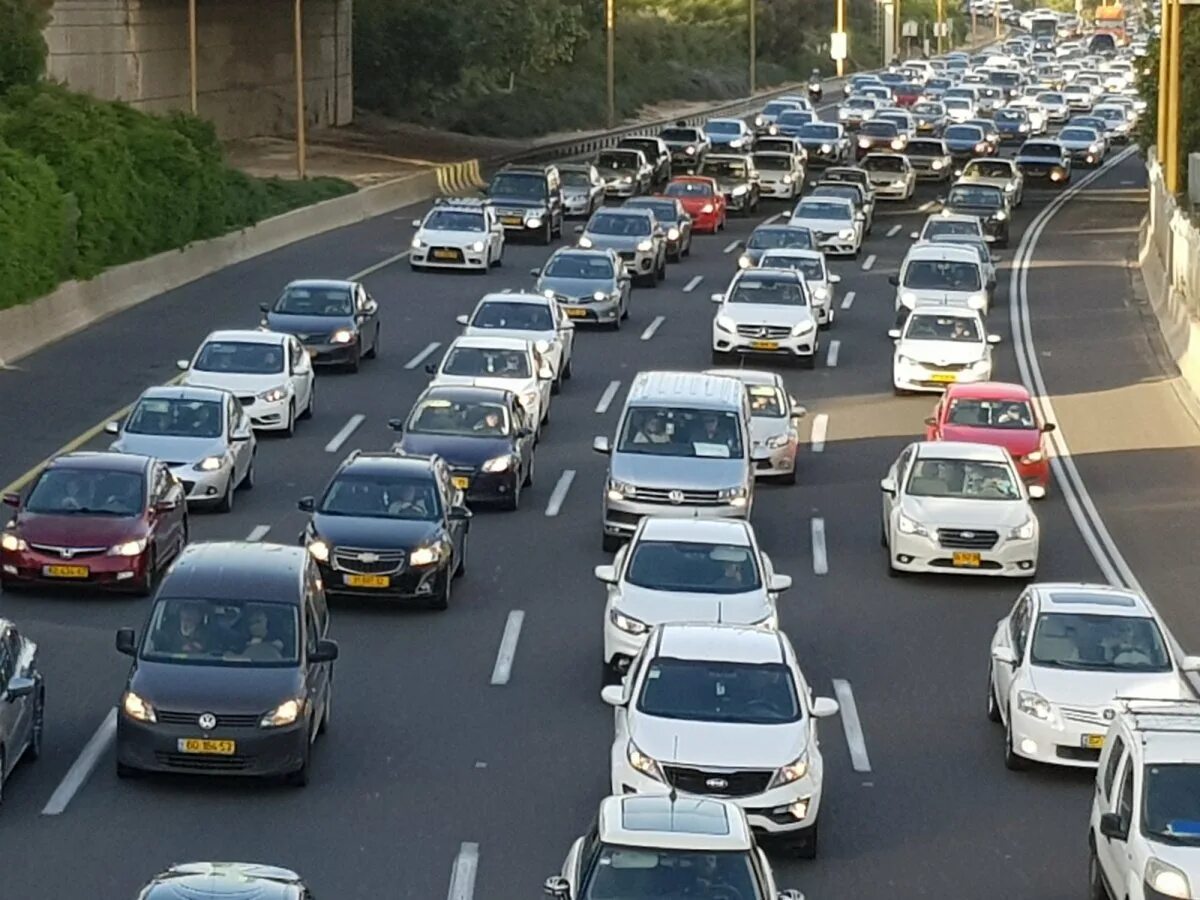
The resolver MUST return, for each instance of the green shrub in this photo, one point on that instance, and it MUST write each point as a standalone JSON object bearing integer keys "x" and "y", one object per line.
{"x": 22, "y": 47}
{"x": 34, "y": 234}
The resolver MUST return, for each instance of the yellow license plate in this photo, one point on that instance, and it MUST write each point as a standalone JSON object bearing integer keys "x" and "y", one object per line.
{"x": 967, "y": 560}
{"x": 512, "y": 220}
{"x": 368, "y": 581}
{"x": 204, "y": 745}
{"x": 1093, "y": 741}
{"x": 462, "y": 482}
{"x": 445, "y": 254}
{"x": 574, "y": 312}
{"x": 943, "y": 377}
{"x": 65, "y": 571}
{"x": 764, "y": 345}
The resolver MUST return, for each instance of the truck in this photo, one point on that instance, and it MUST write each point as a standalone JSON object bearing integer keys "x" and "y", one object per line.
{"x": 1110, "y": 20}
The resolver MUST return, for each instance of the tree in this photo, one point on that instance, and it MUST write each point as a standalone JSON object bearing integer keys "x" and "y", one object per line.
{"x": 22, "y": 47}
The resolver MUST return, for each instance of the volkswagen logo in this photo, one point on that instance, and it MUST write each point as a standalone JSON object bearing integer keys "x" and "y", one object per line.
{"x": 717, "y": 784}
{"x": 368, "y": 557}
{"x": 207, "y": 721}
{"x": 675, "y": 497}
{"x": 968, "y": 534}
{"x": 1108, "y": 715}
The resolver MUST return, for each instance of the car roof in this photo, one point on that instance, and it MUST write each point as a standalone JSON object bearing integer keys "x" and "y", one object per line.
{"x": 686, "y": 387}
{"x": 100, "y": 461}
{"x": 949, "y": 311}
{"x": 673, "y": 823}
{"x": 515, "y": 297}
{"x": 489, "y": 342}
{"x": 949, "y": 217}
{"x": 799, "y": 252}
{"x": 248, "y": 336}
{"x": 469, "y": 392}
{"x": 961, "y": 450}
{"x": 822, "y": 199}
{"x": 725, "y": 119}
{"x": 939, "y": 252}
{"x": 325, "y": 283}
{"x": 1094, "y": 599}
{"x": 221, "y": 879}
{"x": 698, "y": 531}
{"x": 725, "y": 643}
{"x": 639, "y": 211}
{"x": 185, "y": 392}
{"x": 236, "y": 570}
{"x": 989, "y": 390}
{"x": 385, "y": 463}
{"x": 748, "y": 376}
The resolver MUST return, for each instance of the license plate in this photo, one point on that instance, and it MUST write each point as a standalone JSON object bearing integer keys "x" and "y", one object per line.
{"x": 65, "y": 571}
{"x": 764, "y": 345}
{"x": 204, "y": 745}
{"x": 574, "y": 312}
{"x": 512, "y": 220}
{"x": 312, "y": 352}
{"x": 943, "y": 377}
{"x": 967, "y": 560}
{"x": 445, "y": 254}
{"x": 368, "y": 581}
{"x": 462, "y": 482}
{"x": 1092, "y": 741}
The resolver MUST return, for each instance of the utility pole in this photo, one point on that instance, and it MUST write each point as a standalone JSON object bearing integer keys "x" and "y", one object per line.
{"x": 1172, "y": 60}
{"x": 753, "y": 47}
{"x": 841, "y": 27}
{"x": 899, "y": 30}
{"x": 611, "y": 58}
{"x": 941, "y": 24}
{"x": 301, "y": 133}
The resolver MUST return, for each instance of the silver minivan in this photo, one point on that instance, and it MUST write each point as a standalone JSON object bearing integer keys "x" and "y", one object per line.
{"x": 682, "y": 448}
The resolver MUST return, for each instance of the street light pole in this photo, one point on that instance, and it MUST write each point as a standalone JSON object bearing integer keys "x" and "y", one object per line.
{"x": 841, "y": 27}
{"x": 193, "y": 76}
{"x": 898, "y": 34}
{"x": 941, "y": 24}
{"x": 1164, "y": 85}
{"x": 753, "y": 47}
{"x": 1172, "y": 172}
{"x": 301, "y": 134}
{"x": 610, "y": 56}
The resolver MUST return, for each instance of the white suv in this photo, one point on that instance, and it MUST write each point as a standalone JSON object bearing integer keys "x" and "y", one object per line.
{"x": 723, "y": 711}
{"x": 1144, "y": 833}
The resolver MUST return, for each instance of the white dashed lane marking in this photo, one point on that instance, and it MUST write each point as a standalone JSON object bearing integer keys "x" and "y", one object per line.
{"x": 819, "y": 427}
{"x": 691, "y": 285}
{"x": 559, "y": 494}
{"x": 820, "y": 557}
{"x": 848, "y": 300}
{"x": 463, "y": 872}
{"x": 895, "y": 230}
{"x": 870, "y": 261}
{"x": 502, "y": 671}
{"x": 831, "y": 358}
{"x": 422, "y": 356}
{"x": 607, "y": 397}
{"x": 731, "y": 246}
{"x": 344, "y": 435}
{"x": 259, "y": 532}
{"x": 653, "y": 327}
{"x": 852, "y": 726}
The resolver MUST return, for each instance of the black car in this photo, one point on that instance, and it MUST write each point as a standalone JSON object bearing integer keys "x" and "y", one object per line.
{"x": 389, "y": 526}
{"x": 825, "y": 143}
{"x": 877, "y": 135}
{"x": 336, "y": 321}
{"x": 23, "y": 704}
{"x": 1044, "y": 160}
{"x": 233, "y": 674}
{"x": 482, "y": 434}
{"x": 528, "y": 200}
{"x": 676, "y": 223}
{"x": 657, "y": 153}
{"x": 965, "y": 143}
{"x": 218, "y": 880}
{"x": 688, "y": 146}
{"x": 984, "y": 201}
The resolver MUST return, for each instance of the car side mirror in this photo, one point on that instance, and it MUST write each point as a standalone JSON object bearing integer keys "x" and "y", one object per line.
{"x": 1049, "y": 427}
{"x": 430, "y": 369}
{"x": 1004, "y": 655}
{"x": 535, "y": 272}
{"x": 579, "y": 229}
{"x": 991, "y": 285}
{"x": 835, "y": 279}
{"x": 993, "y": 339}
{"x": 931, "y": 421}
{"x": 1036, "y": 492}
{"x": 416, "y": 223}
{"x": 557, "y": 886}
{"x": 914, "y": 235}
{"x": 607, "y": 574}
{"x": 126, "y": 641}
{"x": 824, "y": 707}
{"x": 463, "y": 320}
{"x": 396, "y": 424}
{"x": 545, "y": 373}
{"x": 307, "y": 504}
{"x": 888, "y": 486}
{"x": 265, "y": 307}
{"x": 241, "y": 435}
{"x": 798, "y": 411}
{"x": 894, "y": 334}
{"x": 860, "y": 216}
{"x": 13, "y": 500}
{"x": 996, "y": 257}
{"x": 459, "y": 514}
{"x": 1190, "y": 664}
{"x": 602, "y": 444}
{"x": 19, "y": 686}
{"x": 790, "y": 894}
{"x": 1112, "y": 825}
{"x": 894, "y": 280}
{"x": 113, "y": 428}
{"x": 613, "y": 694}
{"x": 165, "y": 505}
{"x": 326, "y": 651}
{"x": 716, "y": 298}
{"x": 182, "y": 365}
{"x": 524, "y": 432}
{"x": 780, "y": 583}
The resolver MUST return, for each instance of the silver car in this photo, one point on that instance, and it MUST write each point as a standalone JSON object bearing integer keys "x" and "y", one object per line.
{"x": 636, "y": 236}
{"x": 591, "y": 286}
{"x": 202, "y": 434}
{"x": 774, "y": 422}
{"x": 582, "y": 187}
{"x": 815, "y": 269}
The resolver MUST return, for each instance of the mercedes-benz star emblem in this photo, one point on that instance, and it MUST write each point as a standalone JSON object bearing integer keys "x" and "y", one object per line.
{"x": 762, "y": 332}
{"x": 717, "y": 784}
{"x": 675, "y": 497}
{"x": 207, "y": 721}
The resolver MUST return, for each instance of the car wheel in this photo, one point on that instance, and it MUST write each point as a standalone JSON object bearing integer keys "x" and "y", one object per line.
{"x": 569, "y": 368}
{"x": 687, "y": 248}
{"x": 225, "y": 504}
{"x": 556, "y": 385}
{"x": 290, "y": 430}
{"x": 1096, "y": 888}
{"x": 611, "y": 543}
{"x": 993, "y": 709}
{"x": 660, "y": 273}
{"x": 33, "y": 750}
{"x": 1011, "y": 760}
{"x": 790, "y": 477}
{"x": 608, "y": 674}
{"x": 146, "y": 588}
{"x": 311, "y": 407}
{"x": 327, "y": 712}
{"x": 622, "y": 313}
{"x": 460, "y": 568}
{"x": 373, "y": 353}
{"x": 513, "y": 501}
{"x": 355, "y": 361}
{"x": 528, "y": 482}
{"x": 248, "y": 478}
{"x": 810, "y": 361}
{"x": 548, "y": 234}
{"x": 299, "y": 778}
{"x": 441, "y": 600}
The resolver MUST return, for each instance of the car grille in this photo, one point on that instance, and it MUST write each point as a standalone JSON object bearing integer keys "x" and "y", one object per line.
{"x": 742, "y": 783}
{"x": 664, "y": 495}
{"x": 170, "y": 717}
{"x": 68, "y": 552}
{"x": 202, "y": 763}
{"x": 1085, "y": 716}
{"x": 247, "y": 400}
{"x": 187, "y": 486}
{"x": 967, "y": 539}
{"x": 511, "y": 212}
{"x": 378, "y": 562}
{"x": 628, "y": 254}
{"x": 946, "y": 367}
{"x": 825, "y": 235}
{"x": 312, "y": 338}
{"x": 764, "y": 331}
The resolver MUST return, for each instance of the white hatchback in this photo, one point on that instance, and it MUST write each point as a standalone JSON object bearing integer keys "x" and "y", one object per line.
{"x": 513, "y": 364}
{"x": 532, "y": 317}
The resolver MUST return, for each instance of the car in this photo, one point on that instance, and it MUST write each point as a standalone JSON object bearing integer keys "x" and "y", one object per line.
{"x": 233, "y": 674}
{"x": 815, "y": 269}
{"x": 1094, "y": 123}
{"x": 855, "y": 83}
{"x": 854, "y": 175}
{"x": 511, "y": 363}
{"x": 679, "y": 855}
{"x": 676, "y": 570}
{"x": 529, "y": 200}
{"x": 582, "y": 188}
{"x": 729, "y": 136}
{"x": 202, "y": 433}
{"x": 1056, "y": 106}
{"x": 780, "y": 143}
{"x": 774, "y": 415}
{"x": 999, "y": 173}
{"x": 904, "y": 121}
{"x": 988, "y": 202}
{"x": 1079, "y": 97}
{"x": 995, "y": 413}
{"x": 1012, "y": 123}
{"x": 834, "y": 222}
{"x": 672, "y": 218}
{"x": 764, "y": 121}
{"x": 765, "y": 312}
{"x": 657, "y": 154}
{"x": 626, "y": 173}
{"x": 1061, "y": 658}
{"x": 878, "y": 134}
{"x": 991, "y": 134}
{"x": 965, "y": 142}
{"x": 781, "y": 174}
{"x": 702, "y": 199}
{"x": 591, "y": 286}
{"x": 948, "y": 223}
{"x": 1034, "y": 111}
{"x": 861, "y": 199}
{"x": 930, "y": 117}
{"x": 391, "y": 526}
{"x": 22, "y": 724}
{"x": 825, "y": 143}
{"x": 270, "y": 373}
{"x": 483, "y": 435}
{"x": 1085, "y": 145}
{"x": 793, "y": 121}
{"x": 738, "y": 179}
{"x": 935, "y": 88}
{"x": 217, "y": 880}
{"x": 457, "y": 234}
{"x": 635, "y": 234}
{"x": 958, "y": 109}
{"x": 930, "y": 159}
{"x": 336, "y": 321}
{"x": 940, "y": 346}
{"x": 892, "y": 175}
{"x": 907, "y": 94}
{"x": 771, "y": 237}
{"x": 880, "y": 93}
{"x": 990, "y": 99}
{"x": 950, "y": 507}
{"x": 979, "y": 246}
{"x": 532, "y": 317}
{"x": 854, "y": 111}
{"x": 940, "y": 274}
{"x": 106, "y": 520}
{"x": 688, "y": 146}
{"x": 1044, "y": 160}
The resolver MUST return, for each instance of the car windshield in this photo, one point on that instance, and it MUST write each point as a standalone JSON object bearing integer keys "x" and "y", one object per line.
{"x": 1099, "y": 643}
{"x": 774, "y": 291}
{"x": 382, "y": 495}
{"x": 860, "y": 103}
{"x": 171, "y": 417}
{"x": 987, "y": 168}
{"x": 616, "y": 159}
{"x": 725, "y": 168}
{"x": 705, "y": 690}
{"x": 315, "y": 301}
{"x": 1042, "y": 151}
{"x": 576, "y": 265}
{"x": 1009, "y": 414}
{"x": 958, "y": 103}
{"x": 680, "y": 135}
{"x": 1083, "y": 135}
{"x": 879, "y": 128}
{"x": 518, "y": 186}
{"x": 686, "y": 567}
{"x": 677, "y": 431}
{"x": 622, "y": 873}
{"x": 776, "y": 161}
{"x": 241, "y": 633}
{"x": 928, "y": 109}
{"x": 618, "y": 225}
{"x": 461, "y": 417}
{"x": 487, "y": 362}
{"x": 925, "y": 148}
{"x": 778, "y": 106}
{"x": 796, "y": 117}
{"x": 238, "y": 357}
{"x": 811, "y": 269}
{"x": 846, "y": 191}
{"x": 1109, "y": 114}
{"x": 1172, "y": 801}
{"x": 649, "y": 148}
{"x": 942, "y": 275}
{"x": 776, "y": 238}
{"x": 766, "y": 401}
{"x": 819, "y": 132}
{"x": 514, "y": 316}
{"x": 970, "y": 241}
{"x": 722, "y": 128}
{"x": 664, "y": 210}
{"x": 991, "y": 198}
{"x": 1013, "y": 116}
{"x": 689, "y": 189}
{"x": 964, "y": 133}
{"x": 889, "y": 163}
{"x": 455, "y": 220}
{"x": 87, "y": 492}
{"x": 934, "y": 327}
{"x": 963, "y": 478}
{"x": 1052, "y": 99}
{"x": 576, "y": 178}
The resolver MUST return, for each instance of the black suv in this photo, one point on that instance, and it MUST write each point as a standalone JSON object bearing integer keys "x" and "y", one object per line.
{"x": 389, "y": 525}
{"x": 529, "y": 200}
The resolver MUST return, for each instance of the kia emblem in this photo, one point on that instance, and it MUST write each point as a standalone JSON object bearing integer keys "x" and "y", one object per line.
{"x": 207, "y": 721}
{"x": 717, "y": 784}
{"x": 676, "y": 497}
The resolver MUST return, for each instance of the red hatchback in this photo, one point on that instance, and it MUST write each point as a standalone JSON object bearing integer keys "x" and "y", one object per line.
{"x": 702, "y": 198}
{"x": 994, "y": 413}
{"x": 907, "y": 94}
{"x": 109, "y": 520}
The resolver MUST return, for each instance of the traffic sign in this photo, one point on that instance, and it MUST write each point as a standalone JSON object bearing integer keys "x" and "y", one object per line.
{"x": 838, "y": 45}
{"x": 910, "y": 28}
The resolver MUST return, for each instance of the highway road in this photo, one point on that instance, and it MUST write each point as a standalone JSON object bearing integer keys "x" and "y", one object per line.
{"x": 445, "y": 775}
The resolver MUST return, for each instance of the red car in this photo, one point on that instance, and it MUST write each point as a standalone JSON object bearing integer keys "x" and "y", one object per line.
{"x": 907, "y": 94}
{"x": 994, "y": 413}
{"x": 703, "y": 200}
{"x": 110, "y": 520}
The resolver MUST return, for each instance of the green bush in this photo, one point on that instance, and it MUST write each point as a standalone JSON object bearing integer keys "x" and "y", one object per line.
{"x": 22, "y": 47}
{"x": 34, "y": 237}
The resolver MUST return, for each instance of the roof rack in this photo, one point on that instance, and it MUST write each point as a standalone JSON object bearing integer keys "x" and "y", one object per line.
{"x": 1161, "y": 715}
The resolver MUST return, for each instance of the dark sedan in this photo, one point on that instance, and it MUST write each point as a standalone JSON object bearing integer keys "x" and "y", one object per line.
{"x": 737, "y": 179}
{"x": 1044, "y": 160}
{"x": 930, "y": 117}
{"x": 676, "y": 223}
{"x": 481, "y": 433}
{"x": 1085, "y": 145}
{"x": 965, "y": 142}
{"x": 1012, "y": 123}
{"x": 336, "y": 321}
{"x": 878, "y": 136}
{"x": 687, "y": 145}
{"x": 825, "y": 143}
{"x": 23, "y": 701}
{"x": 987, "y": 203}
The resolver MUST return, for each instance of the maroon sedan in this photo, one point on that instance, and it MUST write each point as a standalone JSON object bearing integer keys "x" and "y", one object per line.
{"x": 109, "y": 520}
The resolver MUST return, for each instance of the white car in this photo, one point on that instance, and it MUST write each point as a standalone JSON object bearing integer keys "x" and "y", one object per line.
{"x": 836, "y": 224}
{"x": 938, "y": 346}
{"x": 458, "y": 234}
{"x": 767, "y": 312}
{"x": 815, "y": 269}
{"x": 962, "y": 508}
{"x": 952, "y": 223}
{"x": 513, "y": 364}
{"x": 774, "y": 418}
{"x": 856, "y": 110}
{"x": 942, "y": 275}
{"x": 983, "y": 252}
{"x": 684, "y": 570}
{"x": 270, "y": 373}
{"x": 1062, "y": 656}
{"x": 723, "y": 711}
{"x": 1117, "y": 120}
{"x": 996, "y": 172}
{"x": 202, "y": 433}
{"x": 1038, "y": 115}
{"x": 892, "y": 175}
{"x": 958, "y": 109}
{"x": 780, "y": 174}
{"x": 530, "y": 317}
{"x": 1056, "y": 106}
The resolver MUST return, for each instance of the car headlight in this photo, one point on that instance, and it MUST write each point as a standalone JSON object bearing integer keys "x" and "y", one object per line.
{"x": 274, "y": 395}
{"x": 1034, "y": 704}
{"x": 725, "y": 323}
{"x": 734, "y": 496}
{"x": 342, "y": 336}
{"x": 625, "y": 179}
{"x": 977, "y": 301}
{"x": 708, "y": 208}
{"x": 936, "y": 164}
{"x": 739, "y": 190}
{"x": 1022, "y": 127}
{"x": 648, "y": 766}
{"x": 319, "y": 550}
{"x": 417, "y": 243}
{"x": 285, "y": 713}
{"x": 128, "y": 548}
{"x": 1009, "y": 188}
{"x": 827, "y": 148}
{"x": 533, "y": 222}
{"x": 427, "y": 556}
{"x": 1095, "y": 148}
{"x": 787, "y": 179}
{"x": 1000, "y": 216}
{"x": 793, "y": 771}
{"x": 645, "y": 246}
{"x": 600, "y": 296}
{"x": 137, "y": 708}
{"x": 690, "y": 151}
{"x": 1024, "y": 531}
{"x": 1035, "y": 457}
{"x": 910, "y": 526}
{"x": 625, "y": 623}
{"x": 209, "y": 464}
{"x": 778, "y": 441}
{"x": 864, "y": 143}
{"x": 1166, "y": 879}
{"x": 821, "y": 293}
{"x": 530, "y": 398}
{"x": 620, "y": 490}
{"x": 802, "y": 328}
{"x": 759, "y": 121}
{"x": 846, "y": 234}
{"x": 12, "y": 543}
{"x": 672, "y": 234}
{"x": 585, "y": 242}
{"x": 898, "y": 144}
{"x": 478, "y": 246}
{"x": 745, "y": 262}
{"x": 908, "y": 298}
{"x": 498, "y": 464}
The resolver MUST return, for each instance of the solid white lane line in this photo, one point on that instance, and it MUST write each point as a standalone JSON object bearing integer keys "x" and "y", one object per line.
{"x": 344, "y": 435}
{"x": 463, "y": 872}
{"x": 820, "y": 555}
{"x": 653, "y": 327}
{"x": 926, "y": 206}
{"x": 852, "y": 726}
{"x": 259, "y": 532}
{"x": 691, "y": 285}
{"x": 831, "y": 357}
{"x": 731, "y": 246}
{"x": 894, "y": 230}
{"x": 848, "y": 300}
{"x": 819, "y": 427}
{"x": 83, "y": 765}
{"x": 870, "y": 261}
{"x": 371, "y": 270}
{"x": 607, "y": 397}
{"x": 559, "y": 494}
{"x": 508, "y": 647}
{"x": 422, "y": 356}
